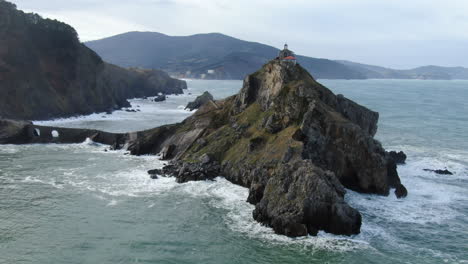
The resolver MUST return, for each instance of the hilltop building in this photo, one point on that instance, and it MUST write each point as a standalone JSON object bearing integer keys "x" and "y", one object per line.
{"x": 287, "y": 55}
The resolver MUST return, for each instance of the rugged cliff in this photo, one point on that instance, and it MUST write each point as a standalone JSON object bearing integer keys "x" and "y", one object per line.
{"x": 46, "y": 72}
{"x": 290, "y": 140}
{"x": 287, "y": 138}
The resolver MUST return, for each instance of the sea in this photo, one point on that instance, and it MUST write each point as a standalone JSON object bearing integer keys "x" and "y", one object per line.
{"x": 79, "y": 203}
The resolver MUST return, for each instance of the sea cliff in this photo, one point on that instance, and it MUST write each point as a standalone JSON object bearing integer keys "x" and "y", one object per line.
{"x": 46, "y": 72}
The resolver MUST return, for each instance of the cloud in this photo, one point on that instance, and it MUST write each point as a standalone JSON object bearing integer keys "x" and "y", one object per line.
{"x": 391, "y": 33}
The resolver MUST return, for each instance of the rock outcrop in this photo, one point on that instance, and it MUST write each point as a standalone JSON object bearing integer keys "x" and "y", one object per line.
{"x": 160, "y": 98}
{"x": 199, "y": 101}
{"x": 439, "y": 171}
{"x": 45, "y": 72}
{"x": 287, "y": 138}
{"x": 398, "y": 157}
{"x": 292, "y": 142}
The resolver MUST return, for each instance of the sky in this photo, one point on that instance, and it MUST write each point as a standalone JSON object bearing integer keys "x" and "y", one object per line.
{"x": 392, "y": 33}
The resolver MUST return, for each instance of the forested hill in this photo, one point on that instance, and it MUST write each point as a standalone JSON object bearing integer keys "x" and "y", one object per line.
{"x": 212, "y": 56}
{"x": 46, "y": 72}
{"x": 217, "y": 56}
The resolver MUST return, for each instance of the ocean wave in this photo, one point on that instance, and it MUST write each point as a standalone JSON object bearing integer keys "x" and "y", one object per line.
{"x": 114, "y": 177}
{"x": 232, "y": 198}
{"x": 429, "y": 200}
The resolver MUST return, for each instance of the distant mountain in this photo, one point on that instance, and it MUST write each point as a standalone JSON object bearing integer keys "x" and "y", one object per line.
{"x": 217, "y": 56}
{"x": 425, "y": 72}
{"x": 211, "y": 56}
{"x": 45, "y": 72}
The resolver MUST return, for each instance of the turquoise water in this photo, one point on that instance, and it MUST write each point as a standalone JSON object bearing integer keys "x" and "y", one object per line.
{"x": 79, "y": 204}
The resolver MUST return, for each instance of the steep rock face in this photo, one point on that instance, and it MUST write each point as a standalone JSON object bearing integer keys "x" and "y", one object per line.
{"x": 301, "y": 199}
{"x": 45, "y": 72}
{"x": 336, "y": 132}
{"x": 292, "y": 142}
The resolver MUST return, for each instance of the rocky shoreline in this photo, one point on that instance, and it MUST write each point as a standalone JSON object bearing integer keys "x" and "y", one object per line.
{"x": 287, "y": 138}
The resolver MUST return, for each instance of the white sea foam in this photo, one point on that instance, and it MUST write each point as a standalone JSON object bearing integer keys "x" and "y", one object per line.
{"x": 31, "y": 179}
{"x": 232, "y": 198}
{"x": 8, "y": 149}
{"x": 113, "y": 203}
{"x": 427, "y": 202}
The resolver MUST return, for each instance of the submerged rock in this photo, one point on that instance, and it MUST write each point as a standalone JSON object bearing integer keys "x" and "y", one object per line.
{"x": 199, "y": 101}
{"x": 160, "y": 98}
{"x": 401, "y": 191}
{"x": 442, "y": 172}
{"x": 154, "y": 173}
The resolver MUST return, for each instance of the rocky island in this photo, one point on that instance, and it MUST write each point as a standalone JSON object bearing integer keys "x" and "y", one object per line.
{"x": 199, "y": 101}
{"x": 290, "y": 140}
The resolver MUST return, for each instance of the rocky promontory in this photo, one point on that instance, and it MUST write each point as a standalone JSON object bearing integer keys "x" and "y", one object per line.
{"x": 46, "y": 72}
{"x": 290, "y": 140}
{"x": 199, "y": 101}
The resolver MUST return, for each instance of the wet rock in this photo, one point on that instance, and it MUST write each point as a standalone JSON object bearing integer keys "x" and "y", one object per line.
{"x": 154, "y": 173}
{"x": 160, "y": 98}
{"x": 442, "y": 172}
{"x": 199, "y": 101}
{"x": 255, "y": 193}
{"x": 398, "y": 157}
{"x": 198, "y": 171}
{"x": 301, "y": 199}
{"x": 400, "y": 191}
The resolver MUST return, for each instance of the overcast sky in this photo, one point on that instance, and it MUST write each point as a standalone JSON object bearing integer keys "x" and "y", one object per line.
{"x": 392, "y": 33}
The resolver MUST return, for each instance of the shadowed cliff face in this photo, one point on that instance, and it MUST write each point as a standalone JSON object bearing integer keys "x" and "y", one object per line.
{"x": 287, "y": 138}
{"x": 45, "y": 72}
